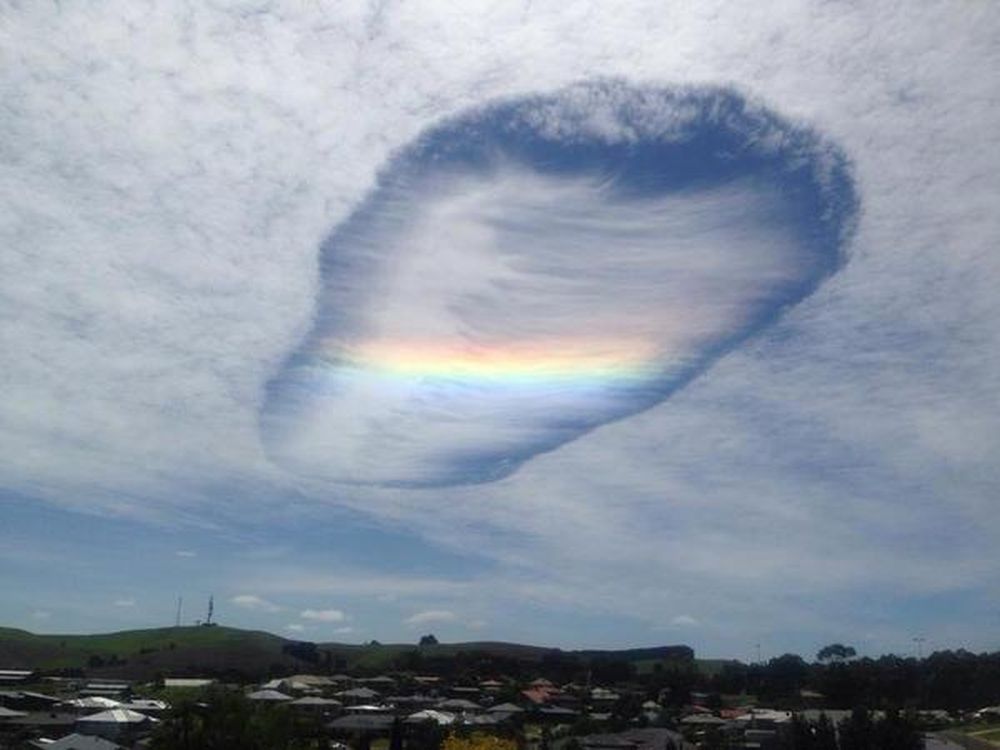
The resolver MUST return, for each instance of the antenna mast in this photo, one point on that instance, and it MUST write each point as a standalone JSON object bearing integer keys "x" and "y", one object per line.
{"x": 211, "y": 609}
{"x": 180, "y": 603}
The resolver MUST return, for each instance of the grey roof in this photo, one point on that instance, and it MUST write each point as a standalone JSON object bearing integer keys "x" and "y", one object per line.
{"x": 82, "y": 742}
{"x": 611, "y": 741}
{"x": 146, "y": 704}
{"x": 269, "y": 695}
{"x": 315, "y": 700}
{"x": 505, "y": 708}
{"x": 96, "y": 702}
{"x": 441, "y": 718}
{"x": 188, "y": 682}
{"x": 458, "y": 704}
{"x": 485, "y": 720}
{"x": 44, "y": 719}
{"x": 380, "y": 680}
{"x": 706, "y": 719}
{"x": 558, "y": 711}
{"x": 6, "y": 713}
{"x": 649, "y": 738}
{"x": 39, "y": 696}
{"x": 362, "y": 722}
{"x": 361, "y": 692}
{"x": 115, "y": 716}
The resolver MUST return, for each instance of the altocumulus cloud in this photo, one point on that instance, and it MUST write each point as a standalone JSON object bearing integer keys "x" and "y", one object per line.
{"x": 254, "y": 602}
{"x": 323, "y": 615}
{"x": 170, "y": 269}
{"x": 430, "y": 616}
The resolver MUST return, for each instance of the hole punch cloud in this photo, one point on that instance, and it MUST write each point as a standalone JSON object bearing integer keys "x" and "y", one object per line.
{"x": 531, "y": 270}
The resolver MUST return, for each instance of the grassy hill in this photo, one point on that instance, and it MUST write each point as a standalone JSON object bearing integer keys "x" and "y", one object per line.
{"x": 223, "y": 651}
{"x": 144, "y": 653}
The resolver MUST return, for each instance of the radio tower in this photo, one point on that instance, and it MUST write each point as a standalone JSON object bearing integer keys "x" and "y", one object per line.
{"x": 180, "y": 602}
{"x": 211, "y": 609}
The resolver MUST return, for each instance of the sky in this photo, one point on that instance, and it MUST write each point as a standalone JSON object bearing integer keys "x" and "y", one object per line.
{"x": 587, "y": 324}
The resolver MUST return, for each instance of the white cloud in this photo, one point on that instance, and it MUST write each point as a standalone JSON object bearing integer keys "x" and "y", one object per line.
{"x": 161, "y": 220}
{"x": 343, "y": 630}
{"x": 185, "y": 553}
{"x": 323, "y": 615}
{"x": 431, "y": 616}
{"x": 41, "y": 614}
{"x": 125, "y": 602}
{"x": 295, "y": 627}
{"x": 252, "y": 601}
{"x": 684, "y": 621}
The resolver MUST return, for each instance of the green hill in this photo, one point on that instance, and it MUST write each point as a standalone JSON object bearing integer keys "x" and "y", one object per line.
{"x": 144, "y": 653}
{"x": 245, "y": 654}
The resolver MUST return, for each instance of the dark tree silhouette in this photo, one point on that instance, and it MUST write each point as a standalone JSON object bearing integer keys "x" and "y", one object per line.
{"x": 835, "y": 652}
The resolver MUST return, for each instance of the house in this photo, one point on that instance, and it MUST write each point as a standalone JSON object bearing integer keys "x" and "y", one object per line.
{"x": 505, "y": 708}
{"x": 188, "y": 683}
{"x": 25, "y": 700}
{"x": 16, "y": 676}
{"x": 603, "y": 698}
{"x": 364, "y": 723}
{"x": 47, "y": 722}
{"x": 410, "y": 703}
{"x": 79, "y": 742}
{"x": 458, "y": 706}
{"x": 314, "y": 704}
{"x": 539, "y": 695}
{"x": 146, "y": 705}
{"x": 106, "y": 689}
{"x": 115, "y": 724}
{"x": 441, "y": 718}
{"x": 469, "y": 693}
{"x": 91, "y": 703}
{"x": 382, "y": 682}
{"x": 557, "y": 714}
{"x": 8, "y": 713}
{"x": 634, "y": 739}
{"x": 358, "y": 695}
{"x": 269, "y": 696}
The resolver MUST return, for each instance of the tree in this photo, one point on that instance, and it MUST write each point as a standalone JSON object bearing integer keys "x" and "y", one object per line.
{"x": 428, "y": 640}
{"x": 478, "y": 741}
{"x": 396, "y": 736}
{"x": 784, "y": 676}
{"x": 835, "y": 652}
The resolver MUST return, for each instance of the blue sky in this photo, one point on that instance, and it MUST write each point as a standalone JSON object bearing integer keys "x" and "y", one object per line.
{"x": 594, "y": 324}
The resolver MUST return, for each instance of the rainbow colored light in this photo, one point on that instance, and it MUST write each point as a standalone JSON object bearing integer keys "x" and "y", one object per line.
{"x": 510, "y": 362}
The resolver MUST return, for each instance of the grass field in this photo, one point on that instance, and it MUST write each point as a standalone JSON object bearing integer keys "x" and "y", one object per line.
{"x": 142, "y": 654}
{"x": 990, "y": 735}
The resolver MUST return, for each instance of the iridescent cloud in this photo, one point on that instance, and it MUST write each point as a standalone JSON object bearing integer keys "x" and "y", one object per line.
{"x": 529, "y": 271}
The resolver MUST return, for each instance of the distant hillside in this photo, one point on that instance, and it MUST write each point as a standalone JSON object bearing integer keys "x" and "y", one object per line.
{"x": 246, "y": 654}
{"x": 145, "y": 653}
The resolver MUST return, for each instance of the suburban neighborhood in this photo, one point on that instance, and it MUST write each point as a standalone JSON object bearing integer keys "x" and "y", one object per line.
{"x": 607, "y": 707}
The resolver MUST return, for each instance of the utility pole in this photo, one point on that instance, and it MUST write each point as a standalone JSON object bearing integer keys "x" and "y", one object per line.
{"x": 919, "y": 640}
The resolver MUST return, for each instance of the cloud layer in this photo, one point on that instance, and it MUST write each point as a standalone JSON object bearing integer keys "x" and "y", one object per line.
{"x": 171, "y": 175}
